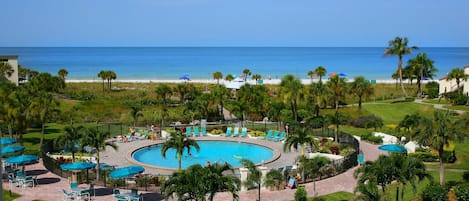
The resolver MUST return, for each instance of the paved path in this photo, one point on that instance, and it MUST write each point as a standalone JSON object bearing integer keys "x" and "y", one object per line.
{"x": 438, "y": 106}
{"x": 50, "y": 185}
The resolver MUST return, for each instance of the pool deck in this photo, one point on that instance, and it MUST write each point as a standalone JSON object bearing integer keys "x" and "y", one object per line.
{"x": 50, "y": 185}
{"x": 113, "y": 157}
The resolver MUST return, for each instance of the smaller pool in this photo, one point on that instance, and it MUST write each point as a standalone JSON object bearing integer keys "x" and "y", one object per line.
{"x": 393, "y": 148}
{"x": 213, "y": 151}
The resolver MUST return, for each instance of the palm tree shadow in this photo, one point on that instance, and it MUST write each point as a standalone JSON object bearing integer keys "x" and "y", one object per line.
{"x": 152, "y": 196}
{"x": 103, "y": 191}
{"x": 36, "y": 172}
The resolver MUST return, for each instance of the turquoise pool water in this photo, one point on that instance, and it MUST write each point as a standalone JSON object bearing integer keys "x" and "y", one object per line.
{"x": 213, "y": 151}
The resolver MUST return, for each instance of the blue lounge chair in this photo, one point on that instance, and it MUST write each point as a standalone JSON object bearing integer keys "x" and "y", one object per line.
{"x": 188, "y": 131}
{"x": 244, "y": 132}
{"x": 204, "y": 131}
{"x": 280, "y": 137}
{"x": 228, "y": 131}
{"x": 236, "y": 132}
{"x": 268, "y": 135}
{"x": 361, "y": 159}
{"x": 274, "y": 136}
{"x": 291, "y": 183}
{"x": 196, "y": 131}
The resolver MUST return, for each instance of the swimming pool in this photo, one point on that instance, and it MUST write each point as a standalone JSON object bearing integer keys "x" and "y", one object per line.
{"x": 213, "y": 151}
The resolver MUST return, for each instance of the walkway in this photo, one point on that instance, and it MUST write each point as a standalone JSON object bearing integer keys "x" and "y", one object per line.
{"x": 50, "y": 185}
{"x": 438, "y": 106}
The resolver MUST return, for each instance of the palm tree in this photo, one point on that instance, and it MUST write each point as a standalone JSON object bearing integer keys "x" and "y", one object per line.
{"x": 62, "y": 73}
{"x": 398, "y": 47}
{"x": 71, "y": 139}
{"x": 381, "y": 172}
{"x": 254, "y": 178}
{"x": 246, "y": 73}
{"x": 44, "y": 105}
{"x": 97, "y": 140}
{"x": 360, "y": 87}
{"x": 299, "y": 137}
{"x": 188, "y": 184}
{"x": 163, "y": 93}
{"x": 217, "y": 76}
{"x": 292, "y": 89}
{"x": 216, "y": 181}
{"x": 179, "y": 142}
{"x": 6, "y": 70}
{"x": 273, "y": 179}
{"x": 395, "y": 76}
{"x": 111, "y": 75}
{"x": 320, "y": 71}
{"x": 256, "y": 77}
{"x": 410, "y": 171}
{"x": 135, "y": 111}
{"x": 229, "y": 77}
{"x": 368, "y": 192}
{"x": 459, "y": 75}
{"x": 7, "y": 105}
{"x": 20, "y": 109}
{"x": 222, "y": 94}
{"x": 409, "y": 123}
{"x": 437, "y": 132}
{"x": 103, "y": 75}
{"x": 311, "y": 74}
{"x": 422, "y": 67}
{"x": 338, "y": 87}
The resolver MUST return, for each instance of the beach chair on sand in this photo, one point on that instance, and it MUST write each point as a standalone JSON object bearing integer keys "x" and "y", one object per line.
{"x": 244, "y": 132}
{"x": 280, "y": 137}
{"x": 204, "y": 131}
{"x": 274, "y": 136}
{"x": 228, "y": 131}
{"x": 236, "y": 132}
{"x": 268, "y": 135}
{"x": 196, "y": 131}
{"x": 188, "y": 131}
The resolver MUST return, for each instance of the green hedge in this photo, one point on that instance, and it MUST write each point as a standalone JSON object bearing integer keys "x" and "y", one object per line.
{"x": 448, "y": 156}
{"x": 462, "y": 192}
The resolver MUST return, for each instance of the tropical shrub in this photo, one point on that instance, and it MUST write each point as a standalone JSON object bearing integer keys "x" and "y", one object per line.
{"x": 334, "y": 150}
{"x": 255, "y": 133}
{"x": 465, "y": 176}
{"x": 301, "y": 195}
{"x": 367, "y": 122}
{"x": 456, "y": 98}
{"x": 216, "y": 131}
{"x": 425, "y": 156}
{"x": 432, "y": 89}
{"x": 462, "y": 192}
{"x": 371, "y": 138}
{"x": 434, "y": 192}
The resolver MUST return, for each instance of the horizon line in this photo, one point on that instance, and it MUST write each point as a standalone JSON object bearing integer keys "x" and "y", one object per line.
{"x": 176, "y": 46}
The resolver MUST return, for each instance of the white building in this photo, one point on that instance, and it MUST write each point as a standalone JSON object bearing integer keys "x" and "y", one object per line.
{"x": 13, "y": 61}
{"x": 450, "y": 85}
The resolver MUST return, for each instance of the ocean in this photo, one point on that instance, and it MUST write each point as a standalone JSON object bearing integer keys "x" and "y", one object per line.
{"x": 153, "y": 63}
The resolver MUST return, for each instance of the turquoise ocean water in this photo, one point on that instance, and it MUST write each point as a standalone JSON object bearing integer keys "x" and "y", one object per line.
{"x": 154, "y": 63}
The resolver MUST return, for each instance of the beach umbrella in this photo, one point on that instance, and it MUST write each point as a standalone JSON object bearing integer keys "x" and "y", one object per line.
{"x": 332, "y": 74}
{"x": 126, "y": 171}
{"x": 7, "y": 140}
{"x": 22, "y": 159}
{"x": 342, "y": 74}
{"x": 185, "y": 77}
{"x": 12, "y": 149}
{"x": 393, "y": 148}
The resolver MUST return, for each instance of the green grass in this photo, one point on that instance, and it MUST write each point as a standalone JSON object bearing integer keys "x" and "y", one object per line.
{"x": 458, "y": 107}
{"x": 337, "y": 196}
{"x": 436, "y": 101}
{"x": 395, "y": 112}
{"x": 8, "y": 197}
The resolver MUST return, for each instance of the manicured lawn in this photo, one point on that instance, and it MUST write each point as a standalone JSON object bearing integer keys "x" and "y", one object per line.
{"x": 32, "y": 138}
{"x": 394, "y": 113}
{"x": 436, "y": 101}
{"x": 338, "y": 196}
{"x": 8, "y": 197}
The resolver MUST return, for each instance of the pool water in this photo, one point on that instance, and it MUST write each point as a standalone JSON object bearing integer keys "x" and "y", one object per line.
{"x": 213, "y": 151}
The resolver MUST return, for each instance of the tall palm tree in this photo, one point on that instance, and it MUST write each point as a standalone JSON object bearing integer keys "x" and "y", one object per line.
{"x": 409, "y": 123}
{"x": 179, "y": 142}
{"x": 111, "y": 75}
{"x": 229, "y": 77}
{"x": 311, "y": 73}
{"x": 410, "y": 171}
{"x": 97, "y": 140}
{"x": 437, "y": 132}
{"x": 256, "y": 77}
{"x": 422, "y": 67}
{"x": 320, "y": 71}
{"x": 254, "y": 178}
{"x": 398, "y": 47}
{"x": 338, "y": 86}
{"x": 188, "y": 184}
{"x": 459, "y": 75}
{"x": 216, "y": 181}
{"x": 368, "y": 192}
{"x": 163, "y": 93}
{"x": 20, "y": 109}
{"x": 71, "y": 139}
{"x": 135, "y": 111}
{"x": 217, "y": 76}
{"x": 62, "y": 73}
{"x": 103, "y": 75}
{"x": 292, "y": 91}
{"x": 222, "y": 94}
{"x": 360, "y": 87}
{"x": 43, "y": 106}
{"x": 273, "y": 179}
{"x": 246, "y": 73}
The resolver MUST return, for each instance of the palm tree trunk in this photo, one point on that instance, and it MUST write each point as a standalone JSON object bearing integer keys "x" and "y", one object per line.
{"x": 259, "y": 191}
{"x": 400, "y": 75}
{"x": 97, "y": 165}
{"x": 442, "y": 167}
{"x": 397, "y": 192}
{"x": 359, "y": 104}
{"x": 179, "y": 161}
{"x": 41, "y": 141}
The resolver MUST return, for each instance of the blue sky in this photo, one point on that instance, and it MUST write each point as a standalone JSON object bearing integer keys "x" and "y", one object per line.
{"x": 313, "y": 23}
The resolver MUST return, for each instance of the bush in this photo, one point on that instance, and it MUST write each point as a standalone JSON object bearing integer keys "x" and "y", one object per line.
{"x": 425, "y": 156}
{"x": 456, "y": 98}
{"x": 434, "y": 192}
{"x": 449, "y": 156}
{"x": 462, "y": 192}
{"x": 371, "y": 138}
{"x": 216, "y": 131}
{"x": 367, "y": 122}
{"x": 256, "y": 133}
{"x": 465, "y": 176}
{"x": 317, "y": 199}
{"x": 301, "y": 195}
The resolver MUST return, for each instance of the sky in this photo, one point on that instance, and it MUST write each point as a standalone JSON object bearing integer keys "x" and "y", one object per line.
{"x": 277, "y": 23}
